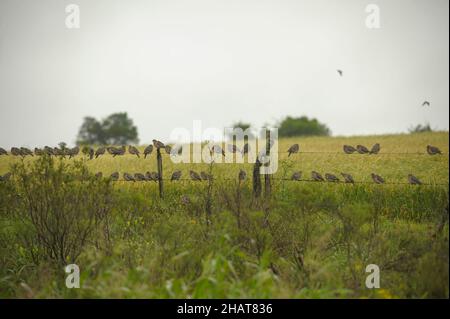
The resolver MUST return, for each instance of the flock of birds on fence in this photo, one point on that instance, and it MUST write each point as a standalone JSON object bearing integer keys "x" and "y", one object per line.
{"x": 202, "y": 176}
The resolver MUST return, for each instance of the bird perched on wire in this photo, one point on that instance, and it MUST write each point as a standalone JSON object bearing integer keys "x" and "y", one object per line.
{"x": 194, "y": 176}
{"x": 375, "y": 148}
{"x": 413, "y": 180}
{"x": 232, "y": 148}
{"x": 168, "y": 149}
{"x": 242, "y": 175}
{"x": 114, "y": 176}
{"x": 38, "y": 152}
{"x": 133, "y": 150}
{"x": 377, "y": 178}
{"x": 25, "y": 151}
{"x": 217, "y": 149}
{"x": 176, "y": 176}
{"x": 340, "y": 72}
{"x": 5, "y": 177}
{"x": 49, "y": 151}
{"x": 91, "y": 153}
{"x": 158, "y": 144}
{"x": 99, "y": 175}
{"x": 74, "y": 151}
{"x": 331, "y": 178}
{"x": 148, "y": 150}
{"x": 155, "y": 176}
{"x": 3, "y": 151}
{"x": 348, "y": 178}
{"x": 348, "y": 149}
{"x": 204, "y": 176}
{"x": 426, "y": 103}
{"x": 140, "y": 177}
{"x": 293, "y": 149}
{"x": 296, "y": 176}
{"x": 16, "y": 151}
{"x": 433, "y": 150}
{"x": 100, "y": 151}
{"x": 245, "y": 149}
{"x": 120, "y": 151}
{"x": 362, "y": 149}
{"x": 316, "y": 177}
{"x": 128, "y": 177}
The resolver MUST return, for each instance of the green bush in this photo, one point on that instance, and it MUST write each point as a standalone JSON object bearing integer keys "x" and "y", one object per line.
{"x": 302, "y": 126}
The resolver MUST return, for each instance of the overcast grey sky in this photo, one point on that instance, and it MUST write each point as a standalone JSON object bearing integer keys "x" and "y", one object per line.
{"x": 169, "y": 62}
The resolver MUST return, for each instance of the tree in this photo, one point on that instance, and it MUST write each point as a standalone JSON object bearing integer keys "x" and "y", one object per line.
{"x": 116, "y": 129}
{"x": 302, "y": 126}
{"x": 420, "y": 128}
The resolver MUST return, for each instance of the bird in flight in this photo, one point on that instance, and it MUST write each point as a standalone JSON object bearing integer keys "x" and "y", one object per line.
{"x": 341, "y": 73}
{"x": 426, "y": 103}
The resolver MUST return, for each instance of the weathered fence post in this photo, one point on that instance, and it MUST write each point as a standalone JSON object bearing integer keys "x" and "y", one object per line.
{"x": 160, "y": 172}
{"x": 267, "y": 176}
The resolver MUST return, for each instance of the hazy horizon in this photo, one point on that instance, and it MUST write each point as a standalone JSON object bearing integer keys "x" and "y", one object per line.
{"x": 167, "y": 63}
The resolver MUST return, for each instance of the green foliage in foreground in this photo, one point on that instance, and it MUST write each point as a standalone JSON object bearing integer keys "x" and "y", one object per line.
{"x": 307, "y": 240}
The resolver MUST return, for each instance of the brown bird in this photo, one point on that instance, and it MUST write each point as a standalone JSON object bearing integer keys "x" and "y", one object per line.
{"x": 316, "y": 177}
{"x": 114, "y": 176}
{"x": 120, "y": 151}
{"x": 3, "y": 151}
{"x": 16, "y": 152}
{"x": 204, "y": 176}
{"x": 100, "y": 151}
{"x": 242, "y": 175}
{"x": 148, "y": 150}
{"x": 293, "y": 149}
{"x": 158, "y": 144}
{"x": 91, "y": 153}
{"x": 433, "y": 150}
{"x": 74, "y": 151}
{"x": 377, "y": 179}
{"x": 128, "y": 177}
{"x": 413, "y": 180}
{"x": 176, "y": 176}
{"x": 245, "y": 149}
{"x": 140, "y": 177}
{"x": 38, "y": 152}
{"x": 232, "y": 148}
{"x": 25, "y": 151}
{"x": 375, "y": 148}
{"x": 168, "y": 149}
{"x": 49, "y": 151}
{"x": 194, "y": 176}
{"x": 155, "y": 176}
{"x": 111, "y": 150}
{"x": 348, "y": 178}
{"x": 133, "y": 150}
{"x": 362, "y": 149}
{"x": 296, "y": 176}
{"x": 99, "y": 175}
{"x": 217, "y": 149}
{"x": 331, "y": 178}
{"x": 348, "y": 149}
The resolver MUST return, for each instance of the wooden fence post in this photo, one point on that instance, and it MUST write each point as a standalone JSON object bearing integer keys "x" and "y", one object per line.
{"x": 256, "y": 179}
{"x": 160, "y": 172}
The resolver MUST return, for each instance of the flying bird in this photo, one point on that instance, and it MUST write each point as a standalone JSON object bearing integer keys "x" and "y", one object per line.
{"x": 133, "y": 150}
{"x": 316, "y": 177}
{"x": 348, "y": 149}
{"x": 296, "y": 176}
{"x": 148, "y": 150}
{"x": 426, "y": 103}
{"x": 293, "y": 149}
{"x": 413, "y": 180}
{"x": 362, "y": 149}
{"x": 331, "y": 178}
{"x": 433, "y": 150}
{"x": 348, "y": 178}
{"x": 176, "y": 176}
{"x": 194, "y": 176}
{"x": 340, "y": 72}
{"x": 375, "y": 149}
{"x": 377, "y": 179}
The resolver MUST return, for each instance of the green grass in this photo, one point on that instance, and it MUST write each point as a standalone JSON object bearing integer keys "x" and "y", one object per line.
{"x": 305, "y": 240}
